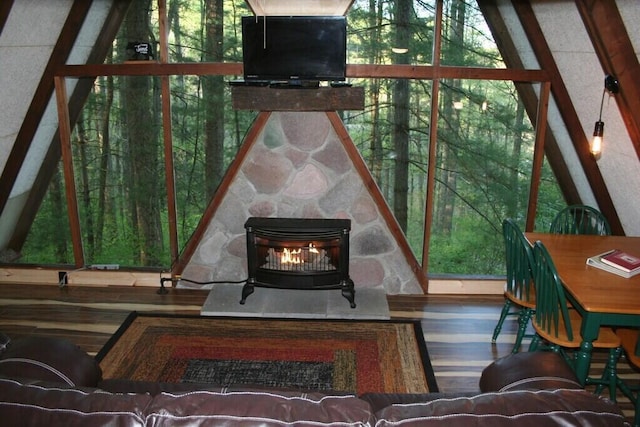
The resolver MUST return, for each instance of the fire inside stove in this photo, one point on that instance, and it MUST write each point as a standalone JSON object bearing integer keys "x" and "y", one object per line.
{"x": 298, "y": 253}
{"x": 305, "y": 259}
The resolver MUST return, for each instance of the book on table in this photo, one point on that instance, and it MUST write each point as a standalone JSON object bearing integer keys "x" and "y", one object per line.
{"x": 622, "y": 260}
{"x": 616, "y": 262}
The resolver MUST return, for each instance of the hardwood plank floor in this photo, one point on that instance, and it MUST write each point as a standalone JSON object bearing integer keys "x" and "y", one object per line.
{"x": 457, "y": 328}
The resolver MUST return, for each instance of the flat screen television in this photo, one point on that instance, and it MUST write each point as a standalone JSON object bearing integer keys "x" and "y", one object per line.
{"x": 294, "y": 48}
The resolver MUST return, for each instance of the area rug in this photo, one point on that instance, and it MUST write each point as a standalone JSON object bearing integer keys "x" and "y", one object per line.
{"x": 339, "y": 355}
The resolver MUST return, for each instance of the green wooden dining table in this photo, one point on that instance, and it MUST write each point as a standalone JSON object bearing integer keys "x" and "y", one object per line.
{"x": 602, "y": 298}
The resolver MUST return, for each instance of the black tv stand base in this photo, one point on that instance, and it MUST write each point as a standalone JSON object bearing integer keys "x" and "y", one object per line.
{"x": 296, "y": 84}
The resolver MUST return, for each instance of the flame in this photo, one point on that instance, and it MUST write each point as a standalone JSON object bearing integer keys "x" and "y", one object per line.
{"x": 294, "y": 256}
{"x": 291, "y": 256}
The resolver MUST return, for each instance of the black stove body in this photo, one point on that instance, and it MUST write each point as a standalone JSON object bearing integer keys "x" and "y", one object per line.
{"x": 298, "y": 253}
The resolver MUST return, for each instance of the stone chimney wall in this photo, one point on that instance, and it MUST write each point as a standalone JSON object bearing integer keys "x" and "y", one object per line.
{"x": 298, "y": 168}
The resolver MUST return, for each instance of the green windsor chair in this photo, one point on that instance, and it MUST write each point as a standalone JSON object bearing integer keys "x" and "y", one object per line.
{"x": 519, "y": 293}
{"x": 559, "y": 325}
{"x": 580, "y": 219}
{"x": 629, "y": 338}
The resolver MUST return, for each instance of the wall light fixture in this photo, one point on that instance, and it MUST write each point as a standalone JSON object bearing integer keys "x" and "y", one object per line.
{"x": 612, "y": 87}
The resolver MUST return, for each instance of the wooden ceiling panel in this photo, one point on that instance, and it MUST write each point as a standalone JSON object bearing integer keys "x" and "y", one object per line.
{"x": 617, "y": 56}
{"x": 547, "y": 62}
{"x": 299, "y": 7}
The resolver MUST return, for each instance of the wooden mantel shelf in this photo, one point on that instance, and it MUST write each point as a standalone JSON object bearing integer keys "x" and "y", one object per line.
{"x": 260, "y": 98}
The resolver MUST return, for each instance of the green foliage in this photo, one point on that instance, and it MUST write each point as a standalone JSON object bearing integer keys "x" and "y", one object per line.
{"x": 49, "y": 242}
{"x": 471, "y": 250}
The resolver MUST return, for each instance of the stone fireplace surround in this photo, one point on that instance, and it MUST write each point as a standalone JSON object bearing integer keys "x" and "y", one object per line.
{"x": 298, "y": 167}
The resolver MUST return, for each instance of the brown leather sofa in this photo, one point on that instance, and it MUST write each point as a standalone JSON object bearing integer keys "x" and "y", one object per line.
{"x": 53, "y": 382}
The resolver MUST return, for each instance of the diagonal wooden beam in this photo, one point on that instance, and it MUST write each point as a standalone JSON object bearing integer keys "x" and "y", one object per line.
{"x": 41, "y": 98}
{"x": 5, "y": 8}
{"x": 378, "y": 198}
{"x": 616, "y": 54}
{"x": 568, "y": 112}
{"x": 530, "y": 99}
{"x": 76, "y": 102}
{"x": 217, "y": 199}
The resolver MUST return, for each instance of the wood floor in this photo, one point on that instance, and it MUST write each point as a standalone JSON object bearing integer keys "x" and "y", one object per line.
{"x": 457, "y": 328}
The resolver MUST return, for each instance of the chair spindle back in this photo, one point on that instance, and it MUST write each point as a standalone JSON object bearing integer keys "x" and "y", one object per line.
{"x": 580, "y": 219}
{"x": 519, "y": 259}
{"x": 551, "y": 302}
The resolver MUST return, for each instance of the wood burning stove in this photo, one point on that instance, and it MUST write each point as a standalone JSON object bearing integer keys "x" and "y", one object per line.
{"x": 298, "y": 253}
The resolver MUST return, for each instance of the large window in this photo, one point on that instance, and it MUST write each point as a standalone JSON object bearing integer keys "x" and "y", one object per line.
{"x": 477, "y": 162}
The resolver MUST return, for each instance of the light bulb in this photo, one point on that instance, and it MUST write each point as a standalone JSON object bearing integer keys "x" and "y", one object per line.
{"x": 596, "y": 146}
{"x": 596, "y": 143}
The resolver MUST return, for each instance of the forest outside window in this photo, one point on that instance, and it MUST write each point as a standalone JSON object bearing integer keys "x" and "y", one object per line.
{"x": 483, "y": 148}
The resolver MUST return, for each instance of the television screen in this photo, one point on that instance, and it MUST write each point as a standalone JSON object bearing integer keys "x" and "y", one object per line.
{"x": 294, "y": 48}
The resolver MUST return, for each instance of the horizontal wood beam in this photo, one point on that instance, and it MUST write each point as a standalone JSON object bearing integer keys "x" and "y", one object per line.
{"x": 466, "y": 287}
{"x": 429, "y": 72}
{"x": 100, "y": 278}
{"x": 297, "y": 99}
{"x": 81, "y": 277}
{"x": 152, "y": 68}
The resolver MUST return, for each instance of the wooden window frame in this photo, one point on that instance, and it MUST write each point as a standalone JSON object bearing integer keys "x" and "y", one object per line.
{"x": 163, "y": 69}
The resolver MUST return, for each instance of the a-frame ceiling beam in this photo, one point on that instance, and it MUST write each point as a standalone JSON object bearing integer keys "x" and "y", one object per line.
{"x": 76, "y": 102}
{"x": 41, "y": 98}
{"x": 529, "y": 97}
{"x": 616, "y": 54}
{"x": 5, "y": 8}
{"x": 543, "y": 53}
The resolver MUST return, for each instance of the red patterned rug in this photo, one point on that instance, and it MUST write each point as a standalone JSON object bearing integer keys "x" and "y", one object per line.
{"x": 351, "y": 356}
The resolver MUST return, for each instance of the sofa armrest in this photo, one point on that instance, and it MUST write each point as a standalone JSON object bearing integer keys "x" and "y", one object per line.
{"x": 39, "y": 404}
{"x": 523, "y": 408}
{"x": 49, "y": 359}
{"x": 536, "y": 370}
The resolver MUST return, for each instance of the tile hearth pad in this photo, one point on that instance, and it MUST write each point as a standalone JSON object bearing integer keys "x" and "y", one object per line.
{"x": 224, "y": 300}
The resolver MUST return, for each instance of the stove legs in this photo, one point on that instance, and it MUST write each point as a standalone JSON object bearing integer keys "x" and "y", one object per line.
{"x": 347, "y": 287}
{"x": 349, "y": 292}
{"x": 247, "y": 290}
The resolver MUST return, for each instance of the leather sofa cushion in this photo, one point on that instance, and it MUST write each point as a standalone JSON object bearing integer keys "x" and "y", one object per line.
{"x": 5, "y": 341}
{"x": 37, "y": 405}
{"x": 538, "y": 370}
{"x": 565, "y": 408}
{"x": 379, "y": 401}
{"x": 264, "y": 409}
{"x": 120, "y": 385}
{"x": 49, "y": 359}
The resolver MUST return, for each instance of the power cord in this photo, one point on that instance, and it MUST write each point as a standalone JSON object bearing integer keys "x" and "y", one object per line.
{"x": 163, "y": 290}
{"x": 63, "y": 280}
